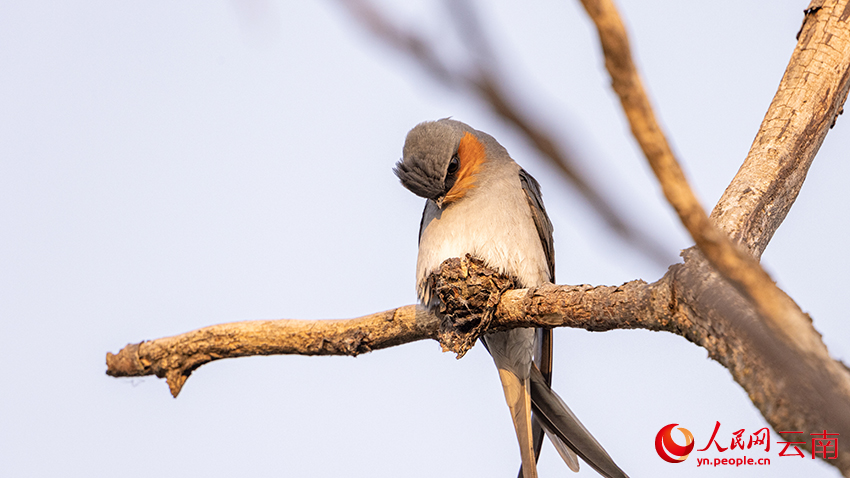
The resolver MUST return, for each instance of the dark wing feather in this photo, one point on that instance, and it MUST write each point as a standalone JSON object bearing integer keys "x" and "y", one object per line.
{"x": 544, "y": 230}
{"x": 554, "y": 414}
{"x": 422, "y": 223}
{"x": 541, "y": 220}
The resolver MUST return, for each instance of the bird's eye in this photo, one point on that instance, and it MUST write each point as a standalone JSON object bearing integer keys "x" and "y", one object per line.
{"x": 454, "y": 164}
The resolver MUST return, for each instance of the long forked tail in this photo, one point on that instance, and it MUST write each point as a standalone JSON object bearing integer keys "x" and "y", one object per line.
{"x": 558, "y": 420}
{"x": 518, "y": 396}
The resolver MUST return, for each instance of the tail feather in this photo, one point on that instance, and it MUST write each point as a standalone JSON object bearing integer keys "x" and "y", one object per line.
{"x": 543, "y": 360}
{"x": 558, "y": 420}
{"x": 518, "y": 396}
{"x": 569, "y": 456}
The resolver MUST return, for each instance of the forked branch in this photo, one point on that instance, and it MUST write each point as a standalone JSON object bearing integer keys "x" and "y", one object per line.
{"x": 733, "y": 262}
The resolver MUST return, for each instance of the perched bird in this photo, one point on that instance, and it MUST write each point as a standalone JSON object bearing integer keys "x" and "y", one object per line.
{"x": 480, "y": 202}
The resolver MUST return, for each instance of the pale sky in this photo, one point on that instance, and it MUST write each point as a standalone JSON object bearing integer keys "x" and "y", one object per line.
{"x": 170, "y": 165}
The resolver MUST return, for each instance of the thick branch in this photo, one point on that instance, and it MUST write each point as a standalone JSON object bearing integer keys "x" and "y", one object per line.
{"x": 810, "y": 97}
{"x": 793, "y": 390}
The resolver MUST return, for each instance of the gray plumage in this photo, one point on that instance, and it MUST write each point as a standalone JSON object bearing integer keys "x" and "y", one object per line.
{"x": 428, "y": 150}
{"x": 480, "y": 202}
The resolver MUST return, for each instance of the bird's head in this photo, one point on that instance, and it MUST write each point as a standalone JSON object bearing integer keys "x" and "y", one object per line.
{"x": 442, "y": 159}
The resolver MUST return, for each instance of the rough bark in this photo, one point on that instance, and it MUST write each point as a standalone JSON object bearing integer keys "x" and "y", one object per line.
{"x": 175, "y": 358}
{"x": 794, "y": 390}
{"x": 807, "y": 103}
{"x": 802, "y": 387}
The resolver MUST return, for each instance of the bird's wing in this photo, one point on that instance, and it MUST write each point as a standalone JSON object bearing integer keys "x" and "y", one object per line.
{"x": 541, "y": 220}
{"x": 557, "y": 418}
{"x": 543, "y": 354}
{"x": 565, "y": 431}
{"x": 422, "y": 222}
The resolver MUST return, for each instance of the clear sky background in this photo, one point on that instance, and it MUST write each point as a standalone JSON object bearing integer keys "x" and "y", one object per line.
{"x": 170, "y": 165}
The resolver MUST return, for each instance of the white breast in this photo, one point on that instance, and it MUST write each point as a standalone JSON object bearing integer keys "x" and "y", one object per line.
{"x": 493, "y": 222}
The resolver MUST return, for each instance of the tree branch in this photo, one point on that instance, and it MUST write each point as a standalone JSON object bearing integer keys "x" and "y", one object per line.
{"x": 175, "y": 358}
{"x": 810, "y": 97}
{"x": 788, "y": 375}
{"x": 631, "y": 305}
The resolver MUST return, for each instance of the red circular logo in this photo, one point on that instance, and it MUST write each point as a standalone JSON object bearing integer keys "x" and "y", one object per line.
{"x": 668, "y": 450}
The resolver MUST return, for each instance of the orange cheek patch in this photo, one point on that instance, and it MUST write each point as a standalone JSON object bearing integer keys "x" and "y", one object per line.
{"x": 471, "y": 154}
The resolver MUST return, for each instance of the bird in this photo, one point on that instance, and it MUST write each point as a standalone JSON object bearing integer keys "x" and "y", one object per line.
{"x": 480, "y": 202}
